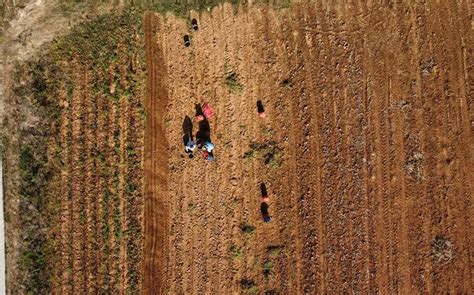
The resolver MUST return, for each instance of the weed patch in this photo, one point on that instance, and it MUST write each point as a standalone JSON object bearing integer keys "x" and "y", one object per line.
{"x": 235, "y": 252}
{"x": 35, "y": 83}
{"x": 249, "y": 286}
{"x": 287, "y": 83}
{"x": 247, "y": 228}
{"x": 270, "y": 153}
{"x": 232, "y": 82}
{"x": 267, "y": 131}
{"x": 275, "y": 250}
{"x": 267, "y": 268}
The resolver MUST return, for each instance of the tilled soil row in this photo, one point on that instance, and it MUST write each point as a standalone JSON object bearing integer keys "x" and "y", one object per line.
{"x": 369, "y": 108}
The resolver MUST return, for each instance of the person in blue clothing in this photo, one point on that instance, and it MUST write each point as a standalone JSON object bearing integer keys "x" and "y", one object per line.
{"x": 207, "y": 150}
{"x": 208, "y": 146}
{"x": 189, "y": 148}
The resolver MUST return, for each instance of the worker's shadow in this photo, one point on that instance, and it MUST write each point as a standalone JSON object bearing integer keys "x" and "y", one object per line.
{"x": 187, "y": 130}
{"x": 198, "y": 108}
{"x": 204, "y": 132}
{"x": 260, "y": 108}
{"x": 263, "y": 190}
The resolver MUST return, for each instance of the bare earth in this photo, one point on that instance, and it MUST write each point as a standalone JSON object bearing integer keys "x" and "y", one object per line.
{"x": 372, "y": 109}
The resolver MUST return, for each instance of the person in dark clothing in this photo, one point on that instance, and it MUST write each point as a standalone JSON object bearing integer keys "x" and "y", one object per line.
{"x": 204, "y": 133}
{"x": 260, "y": 109}
{"x": 264, "y": 209}
{"x": 264, "y": 205}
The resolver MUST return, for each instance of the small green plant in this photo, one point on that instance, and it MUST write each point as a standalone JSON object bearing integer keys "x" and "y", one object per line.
{"x": 267, "y": 268}
{"x": 255, "y": 263}
{"x": 250, "y": 154}
{"x": 142, "y": 114}
{"x": 69, "y": 88}
{"x": 232, "y": 82}
{"x": 247, "y": 228}
{"x": 130, "y": 150}
{"x": 267, "y": 131}
{"x": 287, "y": 83}
{"x": 275, "y": 250}
{"x": 168, "y": 122}
{"x": 248, "y": 286}
{"x": 130, "y": 187}
{"x": 235, "y": 252}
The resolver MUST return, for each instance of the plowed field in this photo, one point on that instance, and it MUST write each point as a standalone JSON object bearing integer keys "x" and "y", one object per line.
{"x": 366, "y": 150}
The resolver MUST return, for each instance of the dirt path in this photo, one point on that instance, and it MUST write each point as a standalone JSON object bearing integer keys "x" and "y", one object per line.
{"x": 156, "y": 217}
{"x": 371, "y": 108}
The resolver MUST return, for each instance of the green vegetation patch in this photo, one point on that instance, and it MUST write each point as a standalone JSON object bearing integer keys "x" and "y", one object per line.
{"x": 248, "y": 286}
{"x": 275, "y": 250}
{"x": 34, "y": 173}
{"x": 235, "y": 252}
{"x": 269, "y": 152}
{"x": 267, "y": 268}
{"x": 232, "y": 82}
{"x": 34, "y": 80}
{"x": 247, "y": 228}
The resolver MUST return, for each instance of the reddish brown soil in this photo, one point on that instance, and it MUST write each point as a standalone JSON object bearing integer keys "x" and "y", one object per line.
{"x": 375, "y": 123}
{"x": 155, "y": 166}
